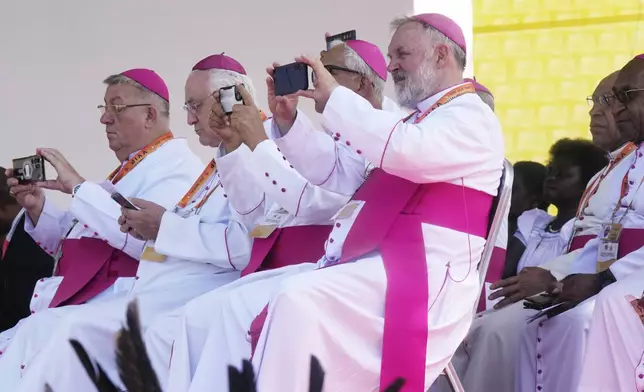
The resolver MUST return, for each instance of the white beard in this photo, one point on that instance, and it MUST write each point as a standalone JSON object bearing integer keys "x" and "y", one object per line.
{"x": 416, "y": 87}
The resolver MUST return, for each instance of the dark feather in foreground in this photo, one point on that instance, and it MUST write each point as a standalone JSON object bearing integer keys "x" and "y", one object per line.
{"x": 98, "y": 376}
{"x": 316, "y": 378}
{"x": 132, "y": 358}
{"x": 396, "y": 385}
{"x": 243, "y": 381}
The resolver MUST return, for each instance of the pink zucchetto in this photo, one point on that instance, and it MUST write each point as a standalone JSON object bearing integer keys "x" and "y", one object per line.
{"x": 371, "y": 55}
{"x": 219, "y": 61}
{"x": 478, "y": 86}
{"x": 150, "y": 80}
{"x": 445, "y": 25}
{"x": 640, "y": 56}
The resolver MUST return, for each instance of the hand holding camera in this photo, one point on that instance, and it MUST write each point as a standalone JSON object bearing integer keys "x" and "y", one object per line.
{"x": 246, "y": 120}
{"x": 28, "y": 195}
{"x": 283, "y": 107}
{"x": 219, "y": 122}
{"x": 67, "y": 178}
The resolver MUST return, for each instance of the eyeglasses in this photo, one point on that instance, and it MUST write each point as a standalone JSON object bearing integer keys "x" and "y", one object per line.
{"x": 625, "y": 95}
{"x": 601, "y": 100}
{"x": 118, "y": 108}
{"x": 193, "y": 107}
{"x": 333, "y": 68}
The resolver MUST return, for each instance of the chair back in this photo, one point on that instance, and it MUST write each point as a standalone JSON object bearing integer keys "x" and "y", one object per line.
{"x": 499, "y": 210}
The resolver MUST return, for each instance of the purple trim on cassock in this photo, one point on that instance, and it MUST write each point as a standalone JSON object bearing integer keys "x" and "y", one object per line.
{"x": 88, "y": 267}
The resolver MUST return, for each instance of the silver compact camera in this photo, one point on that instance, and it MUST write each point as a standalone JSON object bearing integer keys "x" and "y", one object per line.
{"x": 229, "y": 97}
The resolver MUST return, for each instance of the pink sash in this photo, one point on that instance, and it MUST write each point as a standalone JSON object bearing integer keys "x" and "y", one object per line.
{"x": 89, "y": 266}
{"x": 288, "y": 246}
{"x": 391, "y": 220}
{"x": 629, "y": 241}
{"x": 494, "y": 272}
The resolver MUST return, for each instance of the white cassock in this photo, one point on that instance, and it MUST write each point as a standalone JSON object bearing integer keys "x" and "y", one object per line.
{"x": 551, "y": 351}
{"x": 265, "y": 182}
{"x": 486, "y": 359}
{"x": 337, "y": 313}
{"x": 614, "y": 359}
{"x": 205, "y": 246}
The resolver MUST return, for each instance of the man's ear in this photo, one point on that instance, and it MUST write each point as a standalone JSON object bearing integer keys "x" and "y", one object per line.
{"x": 152, "y": 115}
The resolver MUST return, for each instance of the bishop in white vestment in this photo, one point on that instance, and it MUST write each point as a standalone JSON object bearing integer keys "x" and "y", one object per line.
{"x": 186, "y": 247}
{"x": 341, "y": 312}
{"x": 610, "y": 243}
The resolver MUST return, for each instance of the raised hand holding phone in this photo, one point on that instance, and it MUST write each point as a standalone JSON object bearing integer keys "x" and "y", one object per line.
{"x": 246, "y": 120}
{"x": 283, "y": 107}
{"x": 323, "y": 84}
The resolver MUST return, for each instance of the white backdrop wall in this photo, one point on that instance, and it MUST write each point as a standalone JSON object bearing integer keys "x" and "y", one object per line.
{"x": 54, "y": 55}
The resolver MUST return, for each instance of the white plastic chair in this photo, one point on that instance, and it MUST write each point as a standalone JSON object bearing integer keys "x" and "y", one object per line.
{"x": 500, "y": 208}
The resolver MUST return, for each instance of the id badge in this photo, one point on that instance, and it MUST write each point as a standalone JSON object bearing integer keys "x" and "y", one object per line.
{"x": 608, "y": 246}
{"x": 149, "y": 254}
{"x": 348, "y": 210}
{"x": 271, "y": 221}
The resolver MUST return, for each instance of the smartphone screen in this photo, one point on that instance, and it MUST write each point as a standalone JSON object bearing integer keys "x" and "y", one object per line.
{"x": 346, "y": 36}
{"x": 291, "y": 78}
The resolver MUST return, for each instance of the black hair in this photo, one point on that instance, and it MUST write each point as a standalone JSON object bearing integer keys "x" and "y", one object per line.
{"x": 532, "y": 175}
{"x": 580, "y": 152}
{"x": 5, "y": 197}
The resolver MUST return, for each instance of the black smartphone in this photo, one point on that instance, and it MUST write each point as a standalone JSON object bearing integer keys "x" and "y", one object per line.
{"x": 29, "y": 169}
{"x": 123, "y": 202}
{"x": 229, "y": 97}
{"x": 539, "y": 302}
{"x": 291, "y": 78}
{"x": 346, "y": 36}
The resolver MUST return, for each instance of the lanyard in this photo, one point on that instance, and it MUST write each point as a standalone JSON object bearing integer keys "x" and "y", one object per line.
{"x": 448, "y": 97}
{"x": 594, "y": 186}
{"x": 124, "y": 169}
{"x": 115, "y": 177}
{"x": 201, "y": 185}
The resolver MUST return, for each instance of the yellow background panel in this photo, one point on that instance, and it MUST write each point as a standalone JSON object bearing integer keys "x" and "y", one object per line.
{"x": 542, "y": 58}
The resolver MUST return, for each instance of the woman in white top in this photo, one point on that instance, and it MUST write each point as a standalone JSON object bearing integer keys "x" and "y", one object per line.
{"x": 540, "y": 236}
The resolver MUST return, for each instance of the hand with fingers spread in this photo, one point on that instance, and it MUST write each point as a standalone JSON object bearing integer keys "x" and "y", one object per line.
{"x": 530, "y": 281}
{"x": 29, "y": 196}
{"x": 284, "y": 108}
{"x": 247, "y": 121}
{"x": 220, "y": 123}
{"x": 324, "y": 83}
{"x": 143, "y": 224}
{"x": 68, "y": 177}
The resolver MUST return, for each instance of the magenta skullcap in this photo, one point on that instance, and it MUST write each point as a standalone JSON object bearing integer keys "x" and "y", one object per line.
{"x": 150, "y": 80}
{"x": 219, "y": 61}
{"x": 371, "y": 55}
{"x": 639, "y": 56}
{"x": 445, "y": 25}
{"x": 478, "y": 86}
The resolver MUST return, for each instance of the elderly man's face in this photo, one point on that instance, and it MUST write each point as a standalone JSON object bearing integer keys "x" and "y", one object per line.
{"x": 602, "y": 122}
{"x": 629, "y": 115}
{"x": 125, "y": 128}
{"x": 409, "y": 53}
{"x": 198, "y": 102}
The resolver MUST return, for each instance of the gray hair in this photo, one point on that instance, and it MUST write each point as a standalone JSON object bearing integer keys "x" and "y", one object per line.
{"x": 220, "y": 78}
{"x": 162, "y": 104}
{"x": 435, "y": 37}
{"x": 353, "y": 61}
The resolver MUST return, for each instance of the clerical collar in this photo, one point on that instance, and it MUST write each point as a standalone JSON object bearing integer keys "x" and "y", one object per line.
{"x": 428, "y": 102}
